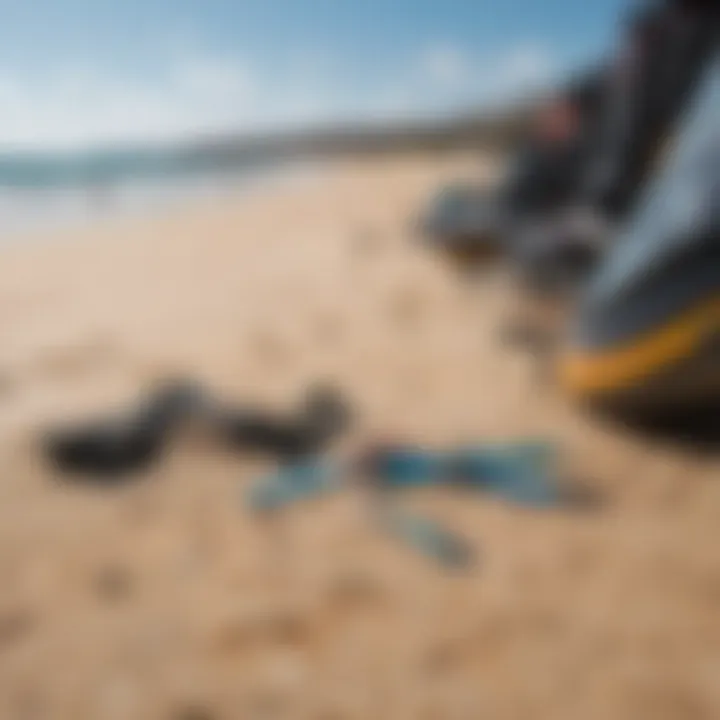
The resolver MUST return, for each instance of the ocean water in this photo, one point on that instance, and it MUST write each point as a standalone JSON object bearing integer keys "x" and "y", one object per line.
{"x": 43, "y": 196}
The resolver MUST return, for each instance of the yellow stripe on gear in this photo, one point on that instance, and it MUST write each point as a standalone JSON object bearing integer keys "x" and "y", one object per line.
{"x": 589, "y": 372}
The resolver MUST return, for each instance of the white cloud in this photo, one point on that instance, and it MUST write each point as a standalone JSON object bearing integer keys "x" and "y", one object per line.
{"x": 451, "y": 78}
{"x": 445, "y": 65}
{"x": 198, "y": 93}
{"x": 526, "y": 66}
{"x": 81, "y": 106}
{"x": 214, "y": 77}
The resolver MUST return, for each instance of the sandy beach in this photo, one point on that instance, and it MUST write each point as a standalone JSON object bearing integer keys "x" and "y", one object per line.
{"x": 167, "y": 599}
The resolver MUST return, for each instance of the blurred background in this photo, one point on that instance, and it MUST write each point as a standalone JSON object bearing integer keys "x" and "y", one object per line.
{"x": 359, "y": 360}
{"x": 130, "y": 96}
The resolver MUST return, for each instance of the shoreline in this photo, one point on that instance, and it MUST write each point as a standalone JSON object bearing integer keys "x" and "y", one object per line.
{"x": 77, "y": 209}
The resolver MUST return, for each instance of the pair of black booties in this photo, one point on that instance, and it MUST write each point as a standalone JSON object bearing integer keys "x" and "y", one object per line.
{"x": 133, "y": 440}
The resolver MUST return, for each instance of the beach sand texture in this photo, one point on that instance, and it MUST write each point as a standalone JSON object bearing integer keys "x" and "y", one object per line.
{"x": 166, "y": 599}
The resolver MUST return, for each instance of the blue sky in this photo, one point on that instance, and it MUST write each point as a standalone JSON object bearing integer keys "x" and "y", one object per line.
{"x": 93, "y": 72}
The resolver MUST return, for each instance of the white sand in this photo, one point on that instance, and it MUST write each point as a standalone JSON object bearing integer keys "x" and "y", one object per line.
{"x": 166, "y": 598}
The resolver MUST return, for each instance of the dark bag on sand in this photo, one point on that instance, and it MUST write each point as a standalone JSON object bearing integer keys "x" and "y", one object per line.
{"x": 646, "y": 342}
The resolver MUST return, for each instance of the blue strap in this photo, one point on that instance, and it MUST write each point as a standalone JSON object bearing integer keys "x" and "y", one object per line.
{"x": 293, "y": 483}
{"x": 522, "y": 473}
{"x": 430, "y": 539}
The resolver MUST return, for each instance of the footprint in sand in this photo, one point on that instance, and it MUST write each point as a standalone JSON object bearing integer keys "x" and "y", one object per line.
{"x": 366, "y": 243}
{"x": 15, "y": 625}
{"x": 193, "y": 712}
{"x": 330, "y": 715}
{"x": 113, "y": 583}
{"x": 285, "y": 626}
{"x": 444, "y": 657}
{"x": 77, "y": 359}
{"x": 416, "y": 383}
{"x": 350, "y": 594}
{"x": 288, "y": 627}
{"x": 407, "y": 307}
{"x": 271, "y": 349}
{"x": 8, "y": 385}
{"x": 328, "y": 330}
{"x": 266, "y": 704}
